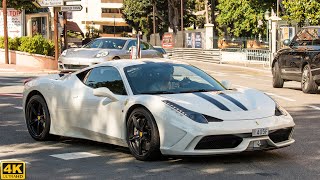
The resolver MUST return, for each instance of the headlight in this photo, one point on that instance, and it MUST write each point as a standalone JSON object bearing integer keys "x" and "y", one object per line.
{"x": 279, "y": 110}
{"x": 102, "y": 54}
{"x": 197, "y": 117}
{"x": 64, "y": 53}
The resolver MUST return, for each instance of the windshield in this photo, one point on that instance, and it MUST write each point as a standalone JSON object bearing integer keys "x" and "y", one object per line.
{"x": 106, "y": 43}
{"x": 168, "y": 78}
{"x": 307, "y": 37}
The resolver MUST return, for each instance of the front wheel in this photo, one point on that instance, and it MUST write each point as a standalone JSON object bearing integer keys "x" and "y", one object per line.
{"x": 277, "y": 81}
{"x": 143, "y": 135}
{"x": 38, "y": 118}
{"x": 308, "y": 85}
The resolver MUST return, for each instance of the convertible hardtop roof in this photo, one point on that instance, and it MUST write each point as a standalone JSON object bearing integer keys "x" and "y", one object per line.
{"x": 120, "y": 64}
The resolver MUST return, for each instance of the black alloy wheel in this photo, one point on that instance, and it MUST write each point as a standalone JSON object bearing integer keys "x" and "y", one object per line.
{"x": 38, "y": 118}
{"x": 143, "y": 136}
{"x": 308, "y": 85}
{"x": 277, "y": 81}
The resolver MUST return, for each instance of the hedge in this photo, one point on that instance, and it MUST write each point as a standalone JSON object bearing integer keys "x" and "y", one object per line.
{"x": 34, "y": 45}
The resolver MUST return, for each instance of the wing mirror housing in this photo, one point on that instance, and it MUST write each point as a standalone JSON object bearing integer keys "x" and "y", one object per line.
{"x": 227, "y": 84}
{"x": 105, "y": 92}
{"x": 287, "y": 42}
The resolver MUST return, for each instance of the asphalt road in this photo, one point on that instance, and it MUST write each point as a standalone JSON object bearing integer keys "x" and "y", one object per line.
{"x": 299, "y": 161}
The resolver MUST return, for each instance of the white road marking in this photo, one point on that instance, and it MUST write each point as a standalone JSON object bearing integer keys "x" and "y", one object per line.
{"x": 281, "y": 97}
{"x": 18, "y": 107}
{"x": 76, "y": 155}
{"x": 314, "y": 107}
{"x": 14, "y": 160}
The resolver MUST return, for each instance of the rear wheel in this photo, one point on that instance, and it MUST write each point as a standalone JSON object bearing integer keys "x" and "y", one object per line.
{"x": 143, "y": 135}
{"x": 38, "y": 118}
{"x": 116, "y": 58}
{"x": 308, "y": 85}
{"x": 277, "y": 81}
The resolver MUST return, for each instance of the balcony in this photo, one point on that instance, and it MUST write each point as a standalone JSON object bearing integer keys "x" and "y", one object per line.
{"x": 111, "y": 15}
{"x": 111, "y": 1}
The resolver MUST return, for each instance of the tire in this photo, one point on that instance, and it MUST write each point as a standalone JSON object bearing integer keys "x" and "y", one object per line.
{"x": 116, "y": 58}
{"x": 308, "y": 85}
{"x": 277, "y": 81}
{"x": 38, "y": 118}
{"x": 143, "y": 135}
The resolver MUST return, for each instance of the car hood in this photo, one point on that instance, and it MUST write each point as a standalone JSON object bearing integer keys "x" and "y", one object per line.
{"x": 227, "y": 105}
{"x": 86, "y": 52}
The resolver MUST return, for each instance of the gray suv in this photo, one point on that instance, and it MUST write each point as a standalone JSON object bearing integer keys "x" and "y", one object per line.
{"x": 103, "y": 49}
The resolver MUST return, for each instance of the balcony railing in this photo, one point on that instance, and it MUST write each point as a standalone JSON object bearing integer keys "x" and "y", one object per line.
{"x": 111, "y": 1}
{"x": 111, "y": 15}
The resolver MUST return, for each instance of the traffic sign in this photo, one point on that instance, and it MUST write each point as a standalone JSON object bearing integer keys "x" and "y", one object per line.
{"x": 71, "y": 8}
{"x": 50, "y": 3}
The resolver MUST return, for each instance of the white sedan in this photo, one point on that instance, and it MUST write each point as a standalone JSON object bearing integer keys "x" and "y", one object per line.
{"x": 155, "y": 107}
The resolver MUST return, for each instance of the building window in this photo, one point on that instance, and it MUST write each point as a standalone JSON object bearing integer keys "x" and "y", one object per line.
{"x": 111, "y": 10}
{"x": 118, "y": 29}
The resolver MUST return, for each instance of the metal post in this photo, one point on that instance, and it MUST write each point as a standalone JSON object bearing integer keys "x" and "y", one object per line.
{"x": 278, "y": 8}
{"x": 154, "y": 26}
{"x": 182, "y": 23}
{"x": 114, "y": 26}
{"x": 65, "y": 35}
{"x": 56, "y": 34}
{"x": 5, "y": 31}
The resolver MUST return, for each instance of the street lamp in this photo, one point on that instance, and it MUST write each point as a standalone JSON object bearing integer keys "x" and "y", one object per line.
{"x": 267, "y": 17}
{"x": 92, "y": 28}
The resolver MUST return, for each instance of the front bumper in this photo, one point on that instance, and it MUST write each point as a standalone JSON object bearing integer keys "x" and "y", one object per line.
{"x": 76, "y": 63}
{"x": 188, "y": 144}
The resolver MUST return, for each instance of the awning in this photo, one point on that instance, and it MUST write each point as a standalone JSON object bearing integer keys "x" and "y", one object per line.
{"x": 72, "y": 26}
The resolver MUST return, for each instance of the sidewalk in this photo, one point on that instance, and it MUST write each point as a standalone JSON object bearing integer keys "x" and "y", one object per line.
{"x": 14, "y": 69}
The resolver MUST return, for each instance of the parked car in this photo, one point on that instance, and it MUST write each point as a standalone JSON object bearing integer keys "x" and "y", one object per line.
{"x": 299, "y": 61}
{"x": 101, "y": 50}
{"x": 162, "y": 51}
{"x": 155, "y": 107}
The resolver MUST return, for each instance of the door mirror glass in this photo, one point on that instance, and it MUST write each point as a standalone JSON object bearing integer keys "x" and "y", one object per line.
{"x": 227, "y": 84}
{"x": 286, "y": 42}
{"x": 104, "y": 92}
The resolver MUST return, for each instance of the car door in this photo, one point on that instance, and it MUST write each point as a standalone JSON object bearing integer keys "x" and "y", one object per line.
{"x": 100, "y": 115}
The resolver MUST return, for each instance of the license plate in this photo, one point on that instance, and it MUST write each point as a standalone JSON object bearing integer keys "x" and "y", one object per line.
{"x": 260, "y": 132}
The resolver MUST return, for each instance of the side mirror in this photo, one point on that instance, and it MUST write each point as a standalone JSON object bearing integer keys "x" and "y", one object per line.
{"x": 104, "y": 92}
{"x": 226, "y": 84}
{"x": 286, "y": 42}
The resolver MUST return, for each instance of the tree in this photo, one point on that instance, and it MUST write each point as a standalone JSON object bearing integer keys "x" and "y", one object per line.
{"x": 20, "y": 4}
{"x": 240, "y": 18}
{"x": 138, "y": 14}
{"x": 302, "y": 11}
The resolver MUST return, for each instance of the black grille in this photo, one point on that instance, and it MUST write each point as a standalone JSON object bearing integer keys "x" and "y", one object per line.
{"x": 280, "y": 135}
{"x": 219, "y": 142}
{"x": 72, "y": 66}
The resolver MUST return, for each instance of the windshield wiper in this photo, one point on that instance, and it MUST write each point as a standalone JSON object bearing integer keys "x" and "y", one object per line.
{"x": 196, "y": 90}
{"x": 158, "y": 92}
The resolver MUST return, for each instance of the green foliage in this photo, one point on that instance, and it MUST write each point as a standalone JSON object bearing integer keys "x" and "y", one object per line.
{"x": 33, "y": 45}
{"x": 20, "y": 4}
{"x": 139, "y": 15}
{"x": 303, "y": 11}
{"x": 37, "y": 45}
{"x": 240, "y": 18}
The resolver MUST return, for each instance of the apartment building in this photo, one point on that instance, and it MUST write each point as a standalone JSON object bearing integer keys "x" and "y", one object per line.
{"x": 104, "y": 15}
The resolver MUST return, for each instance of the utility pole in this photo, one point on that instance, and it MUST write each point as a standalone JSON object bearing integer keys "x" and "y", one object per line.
{"x": 5, "y": 31}
{"x": 206, "y": 10}
{"x": 56, "y": 34}
{"x": 181, "y": 3}
{"x": 213, "y": 17}
{"x": 65, "y": 35}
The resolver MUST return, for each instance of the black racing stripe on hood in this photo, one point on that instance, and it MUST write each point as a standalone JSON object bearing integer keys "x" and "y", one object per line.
{"x": 213, "y": 101}
{"x": 234, "y": 101}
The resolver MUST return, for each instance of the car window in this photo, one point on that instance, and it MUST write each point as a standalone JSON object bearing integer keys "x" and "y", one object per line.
{"x": 307, "y": 37}
{"x": 161, "y": 50}
{"x": 108, "y": 77}
{"x": 143, "y": 45}
{"x": 131, "y": 43}
{"x": 95, "y": 44}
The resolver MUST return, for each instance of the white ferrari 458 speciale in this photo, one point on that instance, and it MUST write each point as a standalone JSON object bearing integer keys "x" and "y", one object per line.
{"x": 155, "y": 107}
